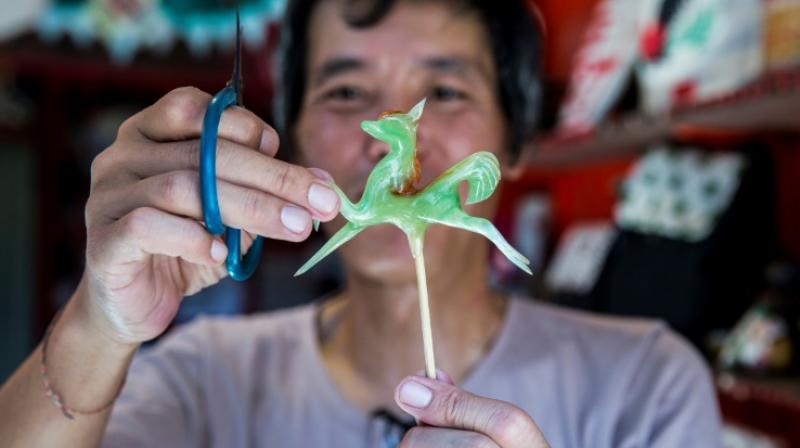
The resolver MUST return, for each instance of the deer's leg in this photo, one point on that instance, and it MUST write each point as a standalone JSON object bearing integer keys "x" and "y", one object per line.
{"x": 345, "y": 234}
{"x": 486, "y": 228}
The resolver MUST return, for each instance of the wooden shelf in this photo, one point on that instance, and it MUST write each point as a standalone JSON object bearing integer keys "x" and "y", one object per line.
{"x": 771, "y": 104}
{"x": 771, "y": 406}
{"x": 91, "y": 68}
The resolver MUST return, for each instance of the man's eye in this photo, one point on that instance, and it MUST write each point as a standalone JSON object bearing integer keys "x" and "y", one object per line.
{"x": 444, "y": 93}
{"x": 346, "y": 93}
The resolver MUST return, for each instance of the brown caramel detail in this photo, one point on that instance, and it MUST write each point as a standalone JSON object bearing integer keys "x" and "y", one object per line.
{"x": 387, "y": 113}
{"x": 411, "y": 191}
{"x": 408, "y": 188}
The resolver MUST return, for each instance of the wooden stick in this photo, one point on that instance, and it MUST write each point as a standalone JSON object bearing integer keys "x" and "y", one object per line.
{"x": 425, "y": 316}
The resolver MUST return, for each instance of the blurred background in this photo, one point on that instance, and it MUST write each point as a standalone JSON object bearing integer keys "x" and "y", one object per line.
{"x": 665, "y": 180}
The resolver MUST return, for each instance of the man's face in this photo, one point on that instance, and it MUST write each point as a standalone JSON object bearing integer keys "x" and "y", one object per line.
{"x": 420, "y": 49}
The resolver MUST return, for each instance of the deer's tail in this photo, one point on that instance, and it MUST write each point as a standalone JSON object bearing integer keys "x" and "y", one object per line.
{"x": 480, "y": 170}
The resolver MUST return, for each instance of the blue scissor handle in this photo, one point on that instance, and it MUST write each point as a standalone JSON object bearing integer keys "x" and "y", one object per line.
{"x": 239, "y": 267}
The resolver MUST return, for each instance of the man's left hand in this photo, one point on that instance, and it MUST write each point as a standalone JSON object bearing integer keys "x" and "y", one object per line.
{"x": 459, "y": 418}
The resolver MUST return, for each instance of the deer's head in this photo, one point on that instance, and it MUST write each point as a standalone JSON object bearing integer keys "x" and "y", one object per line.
{"x": 399, "y": 130}
{"x": 393, "y": 126}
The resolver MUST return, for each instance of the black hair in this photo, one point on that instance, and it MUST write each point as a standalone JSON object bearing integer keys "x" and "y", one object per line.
{"x": 515, "y": 42}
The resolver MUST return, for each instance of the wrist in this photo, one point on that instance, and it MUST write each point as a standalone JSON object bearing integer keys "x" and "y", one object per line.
{"x": 82, "y": 368}
{"x": 83, "y": 317}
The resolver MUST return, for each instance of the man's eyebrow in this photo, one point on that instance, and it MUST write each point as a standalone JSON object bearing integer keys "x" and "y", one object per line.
{"x": 336, "y": 66}
{"x": 455, "y": 65}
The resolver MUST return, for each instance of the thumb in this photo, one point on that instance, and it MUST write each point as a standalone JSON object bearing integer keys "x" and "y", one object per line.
{"x": 440, "y": 376}
{"x": 440, "y": 404}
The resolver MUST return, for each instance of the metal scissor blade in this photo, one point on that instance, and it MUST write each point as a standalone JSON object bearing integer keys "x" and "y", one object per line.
{"x": 236, "y": 77}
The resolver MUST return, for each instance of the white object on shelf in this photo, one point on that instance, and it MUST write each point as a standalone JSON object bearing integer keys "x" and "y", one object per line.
{"x": 18, "y": 16}
{"x": 709, "y": 48}
{"x": 155, "y": 29}
{"x": 602, "y": 66}
{"x": 531, "y": 228}
{"x": 580, "y": 257}
{"x": 713, "y": 47}
{"x": 679, "y": 194}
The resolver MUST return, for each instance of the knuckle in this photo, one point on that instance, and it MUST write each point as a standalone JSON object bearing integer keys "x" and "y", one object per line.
{"x": 229, "y": 157}
{"x": 184, "y": 105}
{"x": 186, "y": 153}
{"x": 99, "y": 165}
{"x": 175, "y": 187}
{"x": 452, "y": 406}
{"x": 509, "y": 421}
{"x": 251, "y": 131}
{"x": 91, "y": 210}
{"x": 283, "y": 178}
{"x": 89, "y": 214}
{"x": 137, "y": 223}
{"x": 255, "y": 209}
{"x": 127, "y": 126}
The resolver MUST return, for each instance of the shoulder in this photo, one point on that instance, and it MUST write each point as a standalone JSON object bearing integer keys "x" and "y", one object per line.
{"x": 576, "y": 327}
{"x": 657, "y": 384}
{"x": 617, "y": 350}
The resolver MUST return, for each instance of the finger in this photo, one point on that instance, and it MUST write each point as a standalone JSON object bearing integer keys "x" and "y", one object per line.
{"x": 179, "y": 115}
{"x": 177, "y": 193}
{"x": 148, "y": 231}
{"x": 430, "y": 436}
{"x": 440, "y": 404}
{"x": 242, "y": 166}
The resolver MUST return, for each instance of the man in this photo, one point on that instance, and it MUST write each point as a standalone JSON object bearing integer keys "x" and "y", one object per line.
{"x": 337, "y": 373}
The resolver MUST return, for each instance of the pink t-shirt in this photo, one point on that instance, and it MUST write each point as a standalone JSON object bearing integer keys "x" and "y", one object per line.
{"x": 259, "y": 381}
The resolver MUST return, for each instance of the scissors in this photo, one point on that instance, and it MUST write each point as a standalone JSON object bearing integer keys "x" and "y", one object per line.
{"x": 239, "y": 267}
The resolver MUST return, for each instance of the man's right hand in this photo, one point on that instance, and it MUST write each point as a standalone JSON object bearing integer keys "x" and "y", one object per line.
{"x": 146, "y": 245}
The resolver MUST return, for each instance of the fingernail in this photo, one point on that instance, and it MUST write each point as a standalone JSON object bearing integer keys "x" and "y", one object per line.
{"x": 322, "y": 198}
{"x": 321, "y": 174}
{"x": 415, "y": 394}
{"x": 218, "y": 250}
{"x": 295, "y": 218}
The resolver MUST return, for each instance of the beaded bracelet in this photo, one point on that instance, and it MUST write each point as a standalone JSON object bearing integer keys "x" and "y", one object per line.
{"x": 55, "y": 397}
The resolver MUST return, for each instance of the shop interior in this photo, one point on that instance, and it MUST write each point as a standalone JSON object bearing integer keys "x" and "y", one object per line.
{"x": 664, "y": 181}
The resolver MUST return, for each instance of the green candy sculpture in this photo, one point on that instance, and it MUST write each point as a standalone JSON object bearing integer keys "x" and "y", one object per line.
{"x": 391, "y": 198}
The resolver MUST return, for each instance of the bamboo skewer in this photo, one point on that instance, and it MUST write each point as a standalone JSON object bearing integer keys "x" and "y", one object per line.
{"x": 425, "y": 316}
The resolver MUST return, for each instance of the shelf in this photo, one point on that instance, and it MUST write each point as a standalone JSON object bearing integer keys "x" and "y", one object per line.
{"x": 771, "y": 104}
{"x": 770, "y": 406}
{"x": 91, "y": 68}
